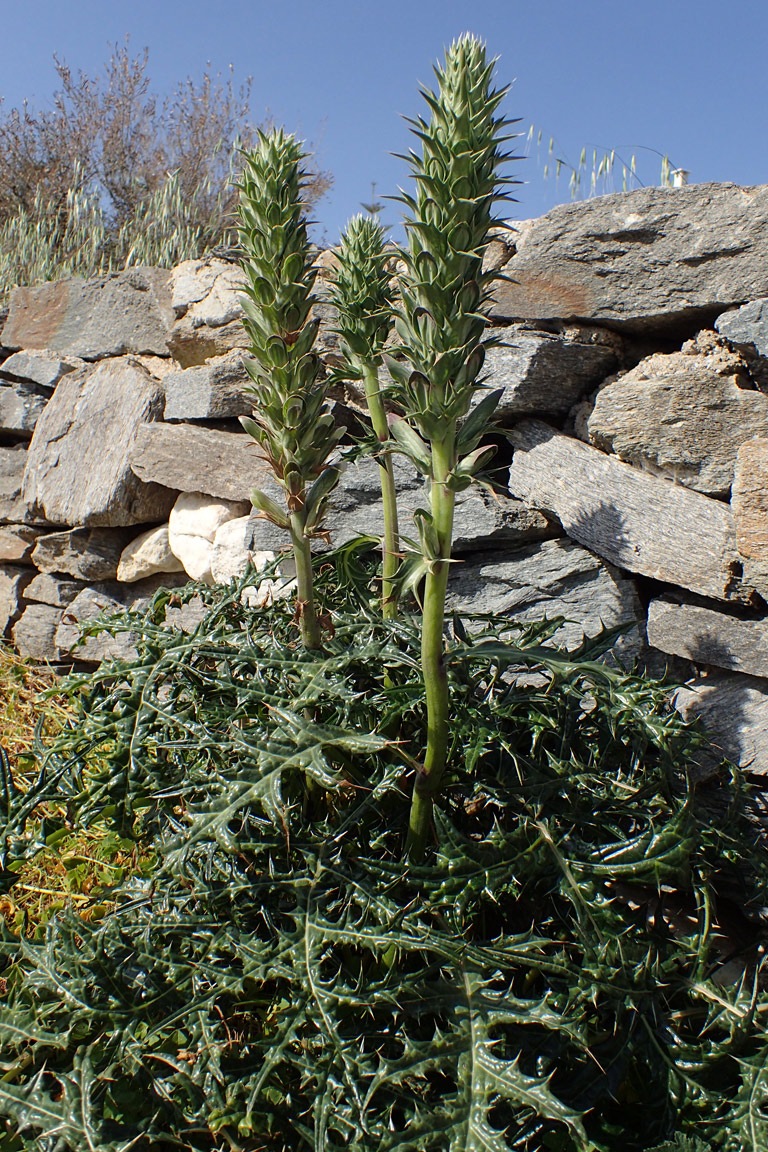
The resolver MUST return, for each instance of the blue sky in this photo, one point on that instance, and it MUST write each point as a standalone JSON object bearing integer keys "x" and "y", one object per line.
{"x": 684, "y": 77}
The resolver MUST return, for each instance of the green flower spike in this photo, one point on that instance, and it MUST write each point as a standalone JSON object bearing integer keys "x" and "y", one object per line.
{"x": 362, "y": 294}
{"x": 292, "y": 421}
{"x": 440, "y": 321}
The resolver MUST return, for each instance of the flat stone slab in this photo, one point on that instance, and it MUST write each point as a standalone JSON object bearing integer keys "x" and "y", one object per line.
{"x": 111, "y": 315}
{"x": 749, "y": 504}
{"x": 747, "y": 327}
{"x": 21, "y": 405}
{"x": 78, "y": 470}
{"x": 632, "y": 519}
{"x": 211, "y": 391}
{"x": 83, "y": 553}
{"x": 34, "y": 633}
{"x": 13, "y": 582}
{"x": 56, "y": 591}
{"x": 543, "y": 372}
{"x": 682, "y": 416}
{"x": 192, "y": 459}
{"x": 637, "y": 258}
{"x": 38, "y": 367}
{"x": 733, "y": 708}
{"x": 708, "y": 637}
{"x": 546, "y": 579}
{"x": 17, "y": 542}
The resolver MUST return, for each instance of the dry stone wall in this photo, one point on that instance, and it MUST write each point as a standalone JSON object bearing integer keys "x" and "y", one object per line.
{"x": 633, "y": 359}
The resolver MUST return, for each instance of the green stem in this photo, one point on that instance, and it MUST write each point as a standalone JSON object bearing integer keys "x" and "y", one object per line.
{"x": 391, "y": 542}
{"x": 310, "y": 626}
{"x": 428, "y": 781}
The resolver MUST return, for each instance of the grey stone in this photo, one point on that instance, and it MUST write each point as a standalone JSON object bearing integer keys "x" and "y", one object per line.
{"x": 17, "y": 542}
{"x": 107, "y": 598}
{"x": 706, "y": 636}
{"x": 89, "y": 604}
{"x": 111, "y": 315}
{"x": 641, "y": 257}
{"x": 733, "y": 708}
{"x": 83, "y": 553}
{"x": 214, "y": 390}
{"x": 20, "y": 408}
{"x": 34, "y": 633}
{"x": 192, "y": 459}
{"x": 12, "y": 507}
{"x": 13, "y": 582}
{"x": 482, "y": 520}
{"x": 746, "y": 327}
{"x": 681, "y": 416}
{"x": 750, "y": 503}
{"x": 205, "y": 296}
{"x": 630, "y": 518}
{"x": 38, "y": 367}
{"x": 53, "y": 590}
{"x": 78, "y": 468}
{"x": 546, "y": 579}
{"x": 546, "y": 373}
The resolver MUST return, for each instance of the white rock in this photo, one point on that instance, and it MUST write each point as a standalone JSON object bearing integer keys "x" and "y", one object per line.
{"x": 147, "y": 554}
{"x": 195, "y": 514}
{"x": 230, "y": 553}
{"x": 195, "y": 554}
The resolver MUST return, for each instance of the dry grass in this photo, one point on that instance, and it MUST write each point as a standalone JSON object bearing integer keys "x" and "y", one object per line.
{"x": 76, "y": 869}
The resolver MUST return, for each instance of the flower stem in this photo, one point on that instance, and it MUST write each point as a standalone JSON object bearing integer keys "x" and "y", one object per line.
{"x": 305, "y": 603}
{"x": 428, "y": 781}
{"x": 391, "y": 542}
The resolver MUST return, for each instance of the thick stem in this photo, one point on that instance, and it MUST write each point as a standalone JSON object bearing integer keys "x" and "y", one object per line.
{"x": 310, "y": 626}
{"x": 391, "y": 542}
{"x": 433, "y": 652}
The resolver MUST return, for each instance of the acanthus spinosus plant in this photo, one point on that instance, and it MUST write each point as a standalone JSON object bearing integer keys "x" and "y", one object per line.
{"x": 440, "y": 322}
{"x": 362, "y": 293}
{"x": 291, "y": 422}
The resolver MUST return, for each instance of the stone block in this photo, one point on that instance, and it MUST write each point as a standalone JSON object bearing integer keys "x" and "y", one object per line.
{"x": 83, "y": 553}
{"x": 706, "y": 636}
{"x": 630, "y": 518}
{"x": 682, "y": 416}
{"x": 194, "y": 521}
{"x": 13, "y": 583}
{"x": 39, "y": 367}
{"x": 746, "y": 327}
{"x": 20, "y": 408}
{"x": 13, "y": 508}
{"x": 53, "y": 590}
{"x": 225, "y": 465}
{"x": 34, "y": 633}
{"x": 148, "y": 554}
{"x": 231, "y": 556}
{"x": 205, "y": 297}
{"x": 89, "y": 604}
{"x": 214, "y": 390}
{"x": 542, "y": 372}
{"x": 638, "y": 259}
{"x": 546, "y": 579}
{"x": 17, "y": 542}
{"x": 110, "y": 315}
{"x": 78, "y": 470}
{"x": 733, "y": 709}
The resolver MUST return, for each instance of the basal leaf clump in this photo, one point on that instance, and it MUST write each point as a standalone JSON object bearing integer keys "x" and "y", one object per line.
{"x": 577, "y": 968}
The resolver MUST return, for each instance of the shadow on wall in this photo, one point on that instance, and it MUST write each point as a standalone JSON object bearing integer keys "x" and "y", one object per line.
{"x": 723, "y": 699}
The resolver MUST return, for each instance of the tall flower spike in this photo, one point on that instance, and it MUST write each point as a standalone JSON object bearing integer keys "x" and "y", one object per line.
{"x": 291, "y": 422}
{"x": 362, "y": 294}
{"x": 440, "y": 321}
